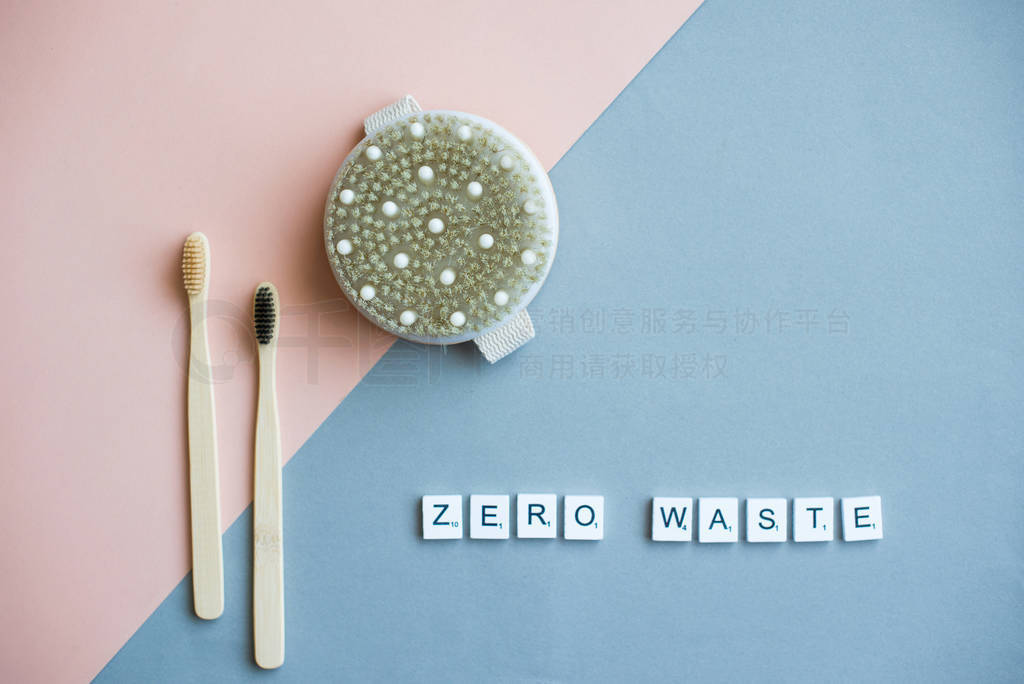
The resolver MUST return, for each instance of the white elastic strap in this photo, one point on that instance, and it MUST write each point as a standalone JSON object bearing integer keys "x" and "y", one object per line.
{"x": 499, "y": 343}
{"x": 396, "y": 110}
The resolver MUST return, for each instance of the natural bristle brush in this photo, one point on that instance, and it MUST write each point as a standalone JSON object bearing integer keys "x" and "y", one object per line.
{"x": 204, "y": 487}
{"x": 440, "y": 227}
{"x": 268, "y": 528}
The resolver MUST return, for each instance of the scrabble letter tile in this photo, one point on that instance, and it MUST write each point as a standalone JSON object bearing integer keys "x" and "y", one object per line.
{"x": 719, "y": 519}
{"x": 672, "y": 519}
{"x": 442, "y": 517}
{"x": 584, "y": 517}
{"x": 767, "y": 520}
{"x": 488, "y": 516}
{"x": 813, "y": 519}
{"x": 536, "y": 516}
{"x": 862, "y": 518}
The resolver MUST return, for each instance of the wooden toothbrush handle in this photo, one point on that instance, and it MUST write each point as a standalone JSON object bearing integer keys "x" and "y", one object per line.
{"x": 268, "y": 528}
{"x": 204, "y": 487}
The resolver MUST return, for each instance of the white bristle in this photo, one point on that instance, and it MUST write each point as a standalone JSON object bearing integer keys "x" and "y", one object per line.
{"x": 464, "y": 132}
{"x": 417, "y": 130}
{"x": 530, "y": 207}
{"x": 505, "y": 162}
{"x": 344, "y": 247}
{"x": 529, "y": 257}
{"x": 458, "y": 319}
{"x": 486, "y": 241}
{"x": 368, "y": 292}
{"x": 426, "y": 174}
{"x": 401, "y": 260}
{"x": 407, "y": 317}
{"x": 447, "y": 276}
{"x": 474, "y": 189}
{"x": 346, "y": 196}
{"x": 389, "y": 208}
{"x": 501, "y": 298}
{"x": 435, "y": 225}
{"x": 373, "y": 153}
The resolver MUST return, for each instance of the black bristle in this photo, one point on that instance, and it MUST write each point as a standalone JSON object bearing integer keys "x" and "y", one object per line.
{"x": 263, "y": 315}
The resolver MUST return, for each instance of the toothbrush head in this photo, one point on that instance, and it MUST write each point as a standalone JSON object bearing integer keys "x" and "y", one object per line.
{"x": 440, "y": 226}
{"x": 266, "y": 313}
{"x": 195, "y": 263}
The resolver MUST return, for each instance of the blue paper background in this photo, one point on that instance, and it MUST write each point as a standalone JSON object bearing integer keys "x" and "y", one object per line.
{"x": 860, "y": 160}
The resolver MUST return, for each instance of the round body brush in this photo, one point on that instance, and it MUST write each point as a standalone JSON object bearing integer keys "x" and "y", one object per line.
{"x": 440, "y": 227}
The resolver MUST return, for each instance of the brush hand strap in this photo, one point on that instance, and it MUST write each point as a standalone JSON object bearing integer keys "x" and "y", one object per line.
{"x": 394, "y": 111}
{"x": 502, "y": 341}
{"x": 517, "y": 330}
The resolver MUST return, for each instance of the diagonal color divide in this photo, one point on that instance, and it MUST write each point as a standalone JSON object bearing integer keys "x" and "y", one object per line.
{"x": 844, "y": 173}
{"x": 129, "y": 125}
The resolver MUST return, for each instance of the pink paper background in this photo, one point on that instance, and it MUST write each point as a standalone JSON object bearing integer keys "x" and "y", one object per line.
{"x": 124, "y": 127}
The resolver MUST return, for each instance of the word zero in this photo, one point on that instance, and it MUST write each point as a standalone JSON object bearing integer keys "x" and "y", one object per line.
{"x": 536, "y": 516}
{"x": 673, "y": 519}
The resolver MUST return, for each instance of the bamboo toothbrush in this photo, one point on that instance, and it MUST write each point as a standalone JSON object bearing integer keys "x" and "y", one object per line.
{"x": 207, "y": 557}
{"x": 268, "y": 529}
